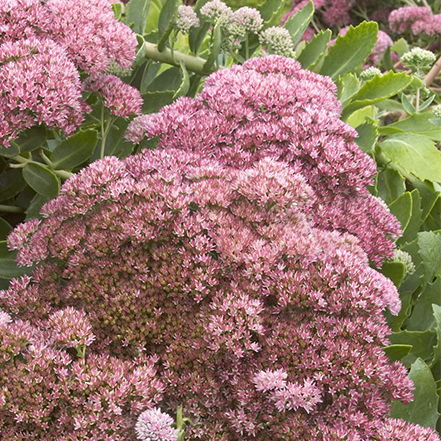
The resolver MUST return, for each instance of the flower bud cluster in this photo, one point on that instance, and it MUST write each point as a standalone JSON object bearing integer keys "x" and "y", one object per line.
{"x": 270, "y": 107}
{"x": 186, "y": 19}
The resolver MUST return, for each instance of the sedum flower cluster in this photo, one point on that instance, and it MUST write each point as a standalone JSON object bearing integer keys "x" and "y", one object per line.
{"x": 204, "y": 279}
{"x": 44, "y": 47}
{"x": 270, "y": 107}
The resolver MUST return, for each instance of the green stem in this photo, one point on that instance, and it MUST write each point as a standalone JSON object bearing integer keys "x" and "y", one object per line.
{"x": 417, "y": 100}
{"x": 382, "y": 159}
{"x": 9, "y": 209}
{"x": 105, "y": 131}
{"x": 192, "y": 63}
{"x": 63, "y": 174}
{"x": 247, "y": 49}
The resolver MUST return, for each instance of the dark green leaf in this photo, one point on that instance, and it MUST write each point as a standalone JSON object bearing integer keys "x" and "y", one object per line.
{"x": 348, "y": 85}
{"x": 350, "y": 50}
{"x": 437, "y": 349}
{"x": 390, "y": 185}
{"x": 31, "y": 139}
{"x": 8, "y": 267}
{"x": 197, "y": 35}
{"x": 153, "y": 101}
{"x": 422, "y": 344}
{"x": 5, "y": 229}
{"x": 136, "y": 12}
{"x": 395, "y": 322}
{"x": 42, "y": 180}
{"x": 166, "y": 22}
{"x": 422, "y": 317}
{"x": 314, "y": 49}
{"x": 416, "y": 154}
{"x": 270, "y": 11}
{"x": 185, "y": 84}
{"x": 433, "y": 219}
{"x": 297, "y": 24}
{"x": 9, "y": 152}
{"x": 11, "y": 183}
{"x": 75, "y": 150}
{"x": 429, "y": 198}
{"x": 401, "y": 208}
{"x": 168, "y": 80}
{"x": 367, "y": 137}
{"x": 394, "y": 271}
{"x": 414, "y": 224}
{"x": 397, "y": 352}
{"x": 33, "y": 210}
{"x": 150, "y": 71}
{"x": 423, "y": 409}
{"x": 429, "y": 244}
{"x": 214, "y": 47}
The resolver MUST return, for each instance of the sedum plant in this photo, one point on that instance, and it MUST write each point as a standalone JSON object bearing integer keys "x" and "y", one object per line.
{"x": 175, "y": 279}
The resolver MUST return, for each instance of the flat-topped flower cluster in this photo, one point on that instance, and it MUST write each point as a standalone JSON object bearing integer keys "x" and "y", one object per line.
{"x": 44, "y": 47}
{"x": 200, "y": 275}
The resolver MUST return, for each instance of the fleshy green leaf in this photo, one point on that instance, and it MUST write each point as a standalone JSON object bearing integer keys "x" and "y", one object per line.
{"x": 214, "y": 47}
{"x": 197, "y": 35}
{"x": 401, "y": 208}
{"x": 11, "y": 183}
{"x": 9, "y": 152}
{"x": 390, "y": 185}
{"x": 422, "y": 318}
{"x": 153, "y": 101}
{"x": 422, "y": 344}
{"x": 42, "y": 180}
{"x": 75, "y": 150}
{"x": 166, "y": 22}
{"x": 367, "y": 137}
{"x": 350, "y": 50}
{"x": 395, "y": 271}
{"x": 297, "y": 24}
{"x": 397, "y": 352}
{"x": 168, "y": 80}
{"x": 429, "y": 244}
{"x": 31, "y": 139}
{"x": 416, "y": 154}
{"x": 401, "y": 46}
{"x": 418, "y": 123}
{"x": 348, "y": 85}
{"x": 414, "y": 224}
{"x": 5, "y": 228}
{"x": 407, "y": 105}
{"x": 270, "y": 11}
{"x": 376, "y": 90}
{"x": 314, "y": 49}
{"x": 117, "y": 10}
{"x": 136, "y": 12}
{"x": 33, "y": 210}
{"x": 185, "y": 84}
{"x": 8, "y": 267}
{"x": 437, "y": 349}
{"x": 423, "y": 409}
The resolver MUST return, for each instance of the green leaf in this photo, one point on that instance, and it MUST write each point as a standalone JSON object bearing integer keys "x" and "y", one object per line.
{"x": 31, "y": 139}
{"x": 360, "y": 116}
{"x": 414, "y": 224}
{"x": 42, "y": 180}
{"x": 153, "y": 101}
{"x": 75, "y": 150}
{"x": 422, "y": 344}
{"x": 367, "y": 137}
{"x": 185, "y": 84}
{"x": 166, "y": 22}
{"x": 348, "y": 85}
{"x": 214, "y": 47}
{"x": 437, "y": 349}
{"x": 433, "y": 219}
{"x": 169, "y": 80}
{"x": 314, "y": 49}
{"x": 33, "y": 210}
{"x": 418, "y": 123}
{"x": 376, "y": 90}
{"x": 429, "y": 244}
{"x": 350, "y": 50}
{"x": 416, "y": 154}
{"x": 395, "y": 271}
{"x": 401, "y": 208}
{"x": 397, "y": 352}
{"x": 401, "y": 46}
{"x": 429, "y": 197}
{"x": 11, "y": 183}
{"x": 136, "y": 12}
{"x": 390, "y": 185}
{"x": 8, "y": 267}
{"x": 117, "y": 10}
{"x": 150, "y": 71}
{"x": 407, "y": 105}
{"x": 9, "y": 152}
{"x": 395, "y": 322}
{"x": 196, "y": 35}
{"x": 297, "y": 24}
{"x": 422, "y": 318}
{"x": 5, "y": 228}
{"x": 270, "y": 12}
{"x": 140, "y": 53}
{"x": 423, "y": 409}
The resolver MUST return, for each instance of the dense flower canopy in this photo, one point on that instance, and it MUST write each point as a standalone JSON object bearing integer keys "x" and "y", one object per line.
{"x": 270, "y": 107}
{"x": 259, "y": 323}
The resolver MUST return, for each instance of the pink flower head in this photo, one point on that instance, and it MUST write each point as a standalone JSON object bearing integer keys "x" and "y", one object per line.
{"x": 429, "y": 25}
{"x": 269, "y": 380}
{"x": 245, "y": 20}
{"x": 186, "y": 19}
{"x": 402, "y": 18}
{"x": 383, "y": 42}
{"x": 155, "y": 425}
{"x": 121, "y": 98}
{"x": 91, "y": 34}
{"x": 270, "y": 107}
{"x": 4, "y": 319}
{"x": 38, "y": 84}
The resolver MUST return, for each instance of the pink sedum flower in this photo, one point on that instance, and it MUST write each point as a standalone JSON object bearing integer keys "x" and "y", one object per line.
{"x": 120, "y": 98}
{"x": 155, "y": 425}
{"x": 401, "y": 19}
